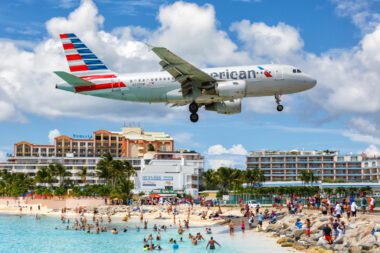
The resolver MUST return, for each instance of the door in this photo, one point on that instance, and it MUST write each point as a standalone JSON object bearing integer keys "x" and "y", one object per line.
{"x": 279, "y": 73}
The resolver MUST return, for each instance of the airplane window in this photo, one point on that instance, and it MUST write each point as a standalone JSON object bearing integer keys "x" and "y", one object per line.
{"x": 299, "y": 71}
{"x": 294, "y": 71}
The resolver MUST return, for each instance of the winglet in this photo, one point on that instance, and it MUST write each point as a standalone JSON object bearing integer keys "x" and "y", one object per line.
{"x": 150, "y": 47}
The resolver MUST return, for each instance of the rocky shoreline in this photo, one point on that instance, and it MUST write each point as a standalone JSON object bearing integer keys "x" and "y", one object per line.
{"x": 358, "y": 236}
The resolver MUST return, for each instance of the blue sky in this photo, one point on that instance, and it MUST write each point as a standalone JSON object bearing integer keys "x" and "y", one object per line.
{"x": 326, "y": 33}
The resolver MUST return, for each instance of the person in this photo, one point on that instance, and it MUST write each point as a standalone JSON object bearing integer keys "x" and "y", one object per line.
{"x": 242, "y": 225}
{"x": 232, "y": 227}
{"x": 260, "y": 219}
{"x": 114, "y": 231}
{"x": 364, "y": 204}
{"x": 372, "y": 205}
{"x": 251, "y": 221}
{"x": 212, "y": 243}
{"x": 327, "y": 233}
{"x": 175, "y": 245}
{"x": 298, "y": 224}
{"x": 308, "y": 227}
{"x": 194, "y": 241}
{"x": 354, "y": 208}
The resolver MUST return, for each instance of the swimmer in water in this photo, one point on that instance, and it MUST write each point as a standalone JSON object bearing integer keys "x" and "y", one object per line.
{"x": 212, "y": 243}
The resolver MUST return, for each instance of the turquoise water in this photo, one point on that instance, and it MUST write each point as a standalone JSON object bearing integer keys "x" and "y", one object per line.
{"x": 26, "y": 234}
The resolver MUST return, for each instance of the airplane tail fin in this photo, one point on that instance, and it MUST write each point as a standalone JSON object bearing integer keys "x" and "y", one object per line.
{"x": 83, "y": 63}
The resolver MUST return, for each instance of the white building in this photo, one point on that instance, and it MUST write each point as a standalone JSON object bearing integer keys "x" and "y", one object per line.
{"x": 172, "y": 171}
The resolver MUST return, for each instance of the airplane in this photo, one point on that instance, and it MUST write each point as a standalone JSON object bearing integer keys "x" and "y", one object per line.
{"x": 179, "y": 83}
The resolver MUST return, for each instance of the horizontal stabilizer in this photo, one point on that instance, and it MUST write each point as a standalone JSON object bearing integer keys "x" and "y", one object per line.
{"x": 72, "y": 80}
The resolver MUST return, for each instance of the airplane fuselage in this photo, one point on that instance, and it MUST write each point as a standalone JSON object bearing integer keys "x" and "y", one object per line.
{"x": 160, "y": 87}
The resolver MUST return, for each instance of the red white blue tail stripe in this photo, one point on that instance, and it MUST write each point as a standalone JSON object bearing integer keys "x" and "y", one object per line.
{"x": 86, "y": 65}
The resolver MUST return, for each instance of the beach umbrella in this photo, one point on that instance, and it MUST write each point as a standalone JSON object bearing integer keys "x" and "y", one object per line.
{"x": 154, "y": 195}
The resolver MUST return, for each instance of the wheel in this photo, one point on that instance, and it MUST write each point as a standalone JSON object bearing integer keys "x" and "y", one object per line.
{"x": 193, "y": 107}
{"x": 280, "y": 108}
{"x": 194, "y": 117}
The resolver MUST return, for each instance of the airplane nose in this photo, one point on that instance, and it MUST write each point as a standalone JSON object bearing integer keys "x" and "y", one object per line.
{"x": 310, "y": 82}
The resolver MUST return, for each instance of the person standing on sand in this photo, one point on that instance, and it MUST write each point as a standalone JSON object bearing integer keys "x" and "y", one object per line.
{"x": 260, "y": 220}
{"x": 242, "y": 225}
{"x": 212, "y": 243}
{"x": 372, "y": 205}
{"x": 354, "y": 208}
{"x": 308, "y": 227}
{"x": 364, "y": 204}
{"x": 327, "y": 233}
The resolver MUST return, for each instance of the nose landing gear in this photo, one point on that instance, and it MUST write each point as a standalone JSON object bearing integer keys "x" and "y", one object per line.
{"x": 193, "y": 108}
{"x": 280, "y": 107}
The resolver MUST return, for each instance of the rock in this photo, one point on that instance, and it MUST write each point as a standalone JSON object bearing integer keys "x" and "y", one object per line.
{"x": 368, "y": 242}
{"x": 318, "y": 250}
{"x": 299, "y": 247}
{"x": 322, "y": 242}
{"x": 316, "y": 237}
{"x": 323, "y": 219}
{"x": 355, "y": 249}
{"x": 273, "y": 227}
{"x": 339, "y": 240}
{"x": 283, "y": 240}
{"x": 287, "y": 244}
{"x": 298, "y": 233}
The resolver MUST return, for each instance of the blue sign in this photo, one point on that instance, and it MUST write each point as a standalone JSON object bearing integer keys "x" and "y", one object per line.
{"x": 82, "y": 136}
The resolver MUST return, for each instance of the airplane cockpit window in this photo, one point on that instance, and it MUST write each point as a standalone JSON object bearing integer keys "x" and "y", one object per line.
{"x": 294, "y": 71}
{"x": 299, "y": 71}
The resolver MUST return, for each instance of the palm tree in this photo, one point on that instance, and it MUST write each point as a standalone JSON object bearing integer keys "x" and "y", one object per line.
{"x": 210, "y": 179}
{"x": 83, "y": 174}
{"x": 304, "y": 176}
{"x": 104, "y": 167}
{"x": 312, "y": 177}
{"x": 59, "y": 171}
{"x": 254, "y": 177}
{"x": 44, "y": 176}
{"x": 224, "y": 175}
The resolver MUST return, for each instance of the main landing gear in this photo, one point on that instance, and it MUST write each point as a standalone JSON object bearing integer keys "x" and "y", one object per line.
{"x": 193, "y": 108}
{"x": 278, "y": 101}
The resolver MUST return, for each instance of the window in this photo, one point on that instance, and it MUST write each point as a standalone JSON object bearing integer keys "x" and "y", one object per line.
{"x": 299, "y": 71}
{"x": 294, "y": 71}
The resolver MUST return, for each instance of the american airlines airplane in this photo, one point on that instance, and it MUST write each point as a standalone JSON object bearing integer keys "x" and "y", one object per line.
{"x": 179, "y": 83}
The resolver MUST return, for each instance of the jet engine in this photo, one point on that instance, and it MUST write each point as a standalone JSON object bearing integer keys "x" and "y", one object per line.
{"x": 226, "y": 107}
{"x": 231, "y": 89}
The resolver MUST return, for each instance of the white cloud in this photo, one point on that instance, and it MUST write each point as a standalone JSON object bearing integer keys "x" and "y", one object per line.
{"x": 218, "y": 149}
{"x": 217, "y": 163}
{"x": 272, "y": 42}
{"x": 362, "y": 12}
{"x": 53, "y": 134}
{"x": 372, "y": 150}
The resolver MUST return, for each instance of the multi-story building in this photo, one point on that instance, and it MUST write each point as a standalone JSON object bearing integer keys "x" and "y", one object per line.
{"x": 150, "y": 153}
{"x": 326, "y": 165}
{"x": 130, "y": 142}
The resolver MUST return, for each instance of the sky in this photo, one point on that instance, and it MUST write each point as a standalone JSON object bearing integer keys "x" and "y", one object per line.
{"x": 334, "y": 41}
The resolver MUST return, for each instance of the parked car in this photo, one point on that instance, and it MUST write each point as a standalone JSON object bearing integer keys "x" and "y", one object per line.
{"x": 253, "y": 204}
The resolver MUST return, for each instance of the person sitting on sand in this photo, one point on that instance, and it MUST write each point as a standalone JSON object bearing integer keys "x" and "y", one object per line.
{"x": 212, "y": 243}
{"x": 298, "y": 224}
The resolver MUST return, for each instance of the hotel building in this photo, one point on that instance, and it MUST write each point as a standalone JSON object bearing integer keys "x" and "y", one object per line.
{"x": 326, "y": 165}
{"x": 150, "y": 153}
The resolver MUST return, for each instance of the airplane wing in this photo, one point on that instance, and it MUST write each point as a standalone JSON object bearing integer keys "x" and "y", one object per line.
{"x": 72, "y": 80}
{"x": 189, "y": 76}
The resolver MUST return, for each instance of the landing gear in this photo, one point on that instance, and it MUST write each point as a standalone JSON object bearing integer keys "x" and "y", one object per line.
{"x": 194, "y": 117}
{"x": 193, "y": 107}
{"x": 278, "y": 101}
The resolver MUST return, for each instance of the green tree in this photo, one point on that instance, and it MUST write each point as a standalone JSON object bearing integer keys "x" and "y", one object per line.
{"x": 210, "y": 179}
{"x": 44, "y": 176}
{"x": 253, "y": 177}
{"x": 224, "y": 175}
{"x": 304, "y": 176}
{"x": 83, "y": 174}
{"x": 60, "y": 171}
